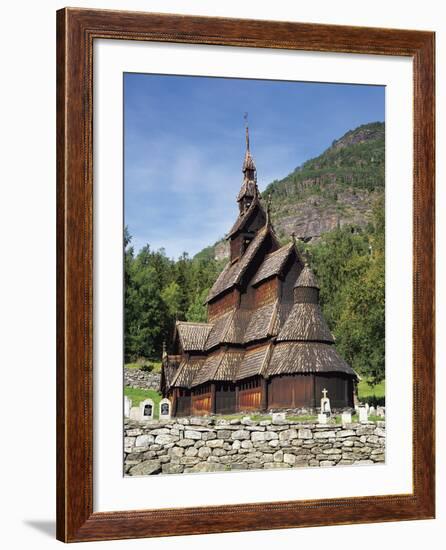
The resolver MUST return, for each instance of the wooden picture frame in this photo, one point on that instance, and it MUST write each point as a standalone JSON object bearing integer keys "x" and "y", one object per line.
{"x": 76, "y": 31}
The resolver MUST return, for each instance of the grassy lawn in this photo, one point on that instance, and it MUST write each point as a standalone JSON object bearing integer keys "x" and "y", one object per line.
{"x": 156, "y": 366}
{"x": 367, "y": 391}
{"x": 137, "y": 395}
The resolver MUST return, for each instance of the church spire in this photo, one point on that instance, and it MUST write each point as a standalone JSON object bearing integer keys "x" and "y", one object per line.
{"x": 249, "y": 190}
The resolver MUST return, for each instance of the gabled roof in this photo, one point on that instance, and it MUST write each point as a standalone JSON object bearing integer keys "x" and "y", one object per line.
{"x": 261, "y": 322}
{"x": 193, "y": 336}
{"x": 208, "y": 369}
{"x": 237, "y": 326}
{"x": 307, "y": 279}
{"x": 232, "y": 273}
{"x": 220, "y": 326}
{"x": 255, "y": 362}
{"x": 221, "y": 367}
{"x": 273, "y": 263}
{"x": 187, "y": 371}
{"x": 248, "y": 189}
{"x": 244, "y": 218}
{"x": 305, "y": 323}
{"x": 306, "y": 357}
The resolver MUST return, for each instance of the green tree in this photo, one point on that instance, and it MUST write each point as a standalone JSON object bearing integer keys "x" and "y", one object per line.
{"x": 197, "y": 311}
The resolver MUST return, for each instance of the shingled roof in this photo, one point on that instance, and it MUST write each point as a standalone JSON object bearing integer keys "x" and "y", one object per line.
{"x": 220, "y": 366}
{"x": 273, "y": 263}
{"x": 220, "y": 327}
{"x": 306, "y": 279}
{"x": 306, "y": 323}
{"x": 248, "y": 189}
{"x": 243, "y": 218}
{"x": 232, "y": 273}
{"x": 261, "y": 322}
{"x": 193, "y": 336}
{"x": 208, "y": 369}
{"x": 187, "y": 371}
{"x": 255, "y": 362}
{"x": 306, "y": 357}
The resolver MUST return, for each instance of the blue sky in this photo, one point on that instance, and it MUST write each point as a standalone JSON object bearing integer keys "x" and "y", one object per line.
{"x": 184, "y": 143}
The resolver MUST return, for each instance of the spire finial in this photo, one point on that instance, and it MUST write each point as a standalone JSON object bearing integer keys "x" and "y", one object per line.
{"x": 268, "y": 209}
{"x": 245, "y": 116}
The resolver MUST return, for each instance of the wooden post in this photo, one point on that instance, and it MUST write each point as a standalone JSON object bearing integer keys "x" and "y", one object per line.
{"x": 175, "y": 401}
{"x": 236, "y": 397}
{"x": 264, "y": 402}
{"x": 213, "y": 400}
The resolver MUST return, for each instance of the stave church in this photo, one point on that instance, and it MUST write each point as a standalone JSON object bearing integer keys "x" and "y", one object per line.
{"x": 266, "y": 345}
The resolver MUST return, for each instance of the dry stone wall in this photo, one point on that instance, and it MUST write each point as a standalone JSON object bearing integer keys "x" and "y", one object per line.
{"x": 136, "y": 378}
{"x": 186, "y": 445}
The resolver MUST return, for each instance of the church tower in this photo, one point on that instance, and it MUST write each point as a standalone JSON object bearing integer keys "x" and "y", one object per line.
{"x": 249, "y": 191}
{"x": 252, "y": 215}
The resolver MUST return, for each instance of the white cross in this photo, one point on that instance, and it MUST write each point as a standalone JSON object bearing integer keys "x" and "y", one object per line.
{"x": 324, "y": 391}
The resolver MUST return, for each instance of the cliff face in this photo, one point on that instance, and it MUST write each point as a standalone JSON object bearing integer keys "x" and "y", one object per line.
{"x": 335, "y": 189}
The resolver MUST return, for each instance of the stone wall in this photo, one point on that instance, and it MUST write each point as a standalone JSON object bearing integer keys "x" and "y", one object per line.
{"x": 206, "y": 445}
{"x": 137, "y": 378}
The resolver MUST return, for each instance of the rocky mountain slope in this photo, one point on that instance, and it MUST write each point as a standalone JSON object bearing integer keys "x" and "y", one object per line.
{"x": 337, "y": 188}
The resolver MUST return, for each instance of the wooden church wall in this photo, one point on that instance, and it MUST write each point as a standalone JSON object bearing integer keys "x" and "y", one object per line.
{"x": 250, "y": 394}
{"x": 292, "y": 270}
{"x": 291, "y": 391}
{"x": 236, "y": 247}
{"x": 225, "y": 396}
{"x": 224, "y": 304}
{"x": 201, "y": 401}
{"x": 339, "y": 388}
{"x": 266, "y": 292}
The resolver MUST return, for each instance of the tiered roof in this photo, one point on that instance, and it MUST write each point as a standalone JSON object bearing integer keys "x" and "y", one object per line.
{"x": 306, "y": 357}
{"x": 306, "y": 323}
{"x": 307, "y": 279}
{"x": 244, "y": 217}
{"x": 193, "y": 336}
{"x": 273, "y": 263}
{"x": 279, "y": 337}
{"x": 233, "y": 273}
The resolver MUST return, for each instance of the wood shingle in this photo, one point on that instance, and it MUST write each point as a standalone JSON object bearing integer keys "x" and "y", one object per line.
{"x": 193, "y": 336}
{"x": 306, "y": 357}
{"x": 273, "y": 264}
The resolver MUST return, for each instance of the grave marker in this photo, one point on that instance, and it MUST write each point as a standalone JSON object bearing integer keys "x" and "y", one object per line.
{"x": 165, "y": 409}
{"x": 147, "y": 409}
{"x": 325, "y": 403}
{"x": 127, "y": 406}
{"x": 363, "y": 417}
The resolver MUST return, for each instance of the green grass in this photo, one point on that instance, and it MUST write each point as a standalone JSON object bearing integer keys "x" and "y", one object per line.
{"x": 156, "y": 366}
{"x": 137, "y": 395}
{"x": 370, "y": 393}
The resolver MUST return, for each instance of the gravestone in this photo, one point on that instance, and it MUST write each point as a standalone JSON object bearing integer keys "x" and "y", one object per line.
{"x": 127, "y": 406}
{"x": 322, "y": 418}
{"x": 147, "y": 409}
{"x": 165, "y": 409}
{"x": 325, "y": 404}
{"x": 346, "y": 418}
{"x": 372, "y": 411}
{"x": 363, "y": 417}
{"x": 381, "y": 411}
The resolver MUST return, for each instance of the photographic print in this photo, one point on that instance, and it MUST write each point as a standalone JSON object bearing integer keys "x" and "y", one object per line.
{"x": 254, "y": 274}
